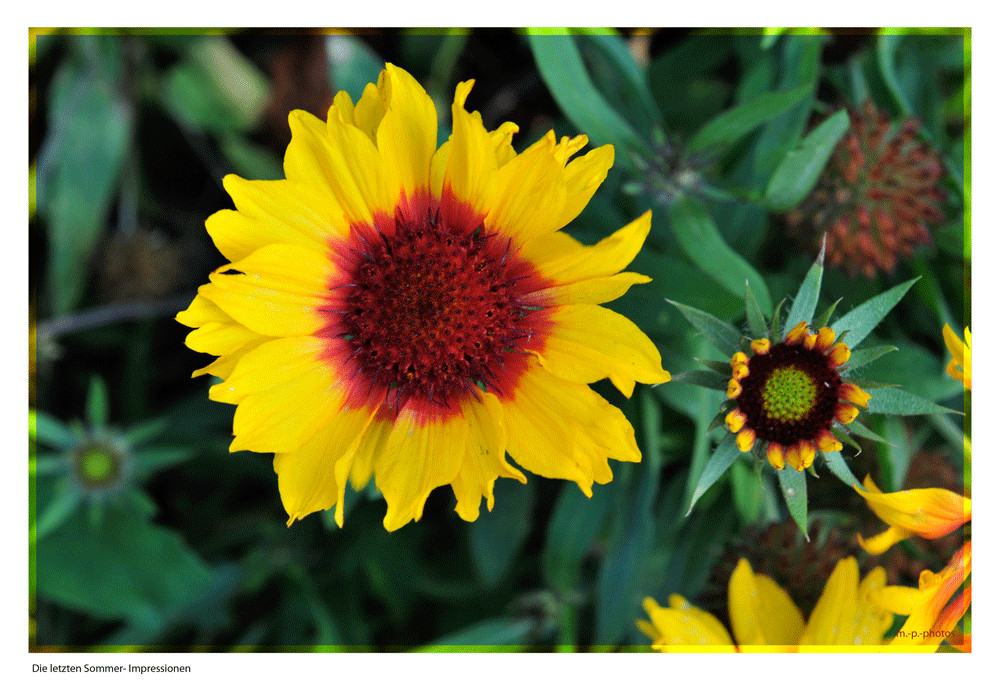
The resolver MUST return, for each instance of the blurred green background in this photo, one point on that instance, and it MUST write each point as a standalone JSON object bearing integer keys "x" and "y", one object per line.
{"x": 146, "y": 531}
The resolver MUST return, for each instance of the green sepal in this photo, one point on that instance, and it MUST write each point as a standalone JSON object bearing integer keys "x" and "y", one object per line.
{"x": 862, "y": 320}
{"x": 97, "y": 403}
{"x": 793, "y": 488}
{"x": 862, "y": 430}
{"x": 776, "y": 320}
{"x": 721, "y": 367}
{"x": 892, "y": 400}
{"x": 722, "y": 459}
{"x": 755, "y": 317}
{"x": 709, "y": 379}
{"x": 865, "y": 356}
{"x": 722, "y": 335}
{"x": 838, "y": 466}
{"x": 804, "y": 304}
{"x": 824, "y": 318}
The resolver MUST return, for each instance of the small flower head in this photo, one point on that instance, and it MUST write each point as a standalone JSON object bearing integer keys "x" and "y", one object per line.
{"x": 877, "y": 197}
{"x": 789, "y": 394}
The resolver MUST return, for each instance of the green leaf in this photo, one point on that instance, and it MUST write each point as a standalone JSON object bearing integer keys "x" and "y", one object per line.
{"x": 755, "y": 317}
{"x": 703, "y": 244}
{"x": 562, "y": 68}
{"x": 747, "y": 496}
{"x": 709, "y": 379}
{"x": 497, "y": 536}
{"x": 800, "y": 169}
{"x": 793, "y": 488}
{"x": 215, "y": 88}
{"x": 619, "y": 591}
{"x": 804, "y": 304}
{"x": 502, "y": 634}
{"x": 97, "y": 403}
{"x": 722, "y": 459}
{"x": 858, "y": 428}
{"x": 52, "y": 432}
{"x": 885, "y": 52}
{"x": 134, "y": 569}
{"x": 835, "y": 462}
{"x": 863, "y": 357}
{"x": 576, "y": 522}
{"x": 152, "y": 459}
{"x": 64, "y": 504}
{"x": 625, "y": 82}
{"x": 862, "y": 320}
{"x": 80, "y": 165}
{"x": 824, "y": 318}
{"x": 895, "y": 401}
{"x": 723, "y": 336}
{"x": 731, "y": 125}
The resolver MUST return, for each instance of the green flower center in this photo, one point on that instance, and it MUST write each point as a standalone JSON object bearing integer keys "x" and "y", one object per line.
{"x": 97, "y": 466}
{"x": 789, "y": 394}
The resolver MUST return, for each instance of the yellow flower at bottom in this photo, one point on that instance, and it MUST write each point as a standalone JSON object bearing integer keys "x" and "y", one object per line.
{"x": 413, "y": 314}
{"x": 764, "y": 618}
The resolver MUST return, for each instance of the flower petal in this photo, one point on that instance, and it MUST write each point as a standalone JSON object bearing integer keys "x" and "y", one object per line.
{"x": 931, "y": 513}
{"x": 681, "y": 626}
{"x": 407, "y": 134}
{"x": 761, "y": 613}
{"x": 266, "y": 295}
{"x": 565, "y": 430}
{"x": 313, "y": 477}
{"x": 845, "y": 614}
{"x": 592, "y": 291}
{"x": 588, "y": 343}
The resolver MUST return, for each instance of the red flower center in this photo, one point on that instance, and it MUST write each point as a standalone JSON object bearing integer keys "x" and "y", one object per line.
{"x": 427, "y": 309}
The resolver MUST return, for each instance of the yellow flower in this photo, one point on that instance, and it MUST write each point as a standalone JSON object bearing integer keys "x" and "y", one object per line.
{"x": 930, "y": 513}
{"x": 764, "y": 618}
{"x": 929, "y": 620}
{"x": 410, "y": 313}
{"x": 789, "y": 393}
{"x": 961, "y": 356}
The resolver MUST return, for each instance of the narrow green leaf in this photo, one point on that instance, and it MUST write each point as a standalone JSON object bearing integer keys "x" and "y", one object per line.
{"x": 52, "y": 432}
{"x": 497, "y": 635}
{"x": 804, "y": 304}
{"x": 153, "y": 459}
{"x": 838, "y": 466}
{"x": 496, "y": 537}
{"x": 885, "y": 52}
{"x": 619, "y": 592}
{"x": 631, "y": 87}
{"x": 720, "y": 367}
{"x": 799, "y": 170}
{"x": 861, "y": 430}
{"x": 862, "y": 320}
{"x": 793, "y": 488}
{"x": 709, "y": 379}
{"x": 895, "y": 401}
{"x": 733, "y": 124}
{"x": 722, "y": 459}
{"x": 824, "y": 318}
{"x": 53, "y": 516}
{"x": 723, "y": 336}
{"x": 776, "y": 320}
{"x": 863, "y": 357}
{"x": 575, "y": 524}
{"x": 755, "y": 317}
{"x": 747, "y": 495}
{"x": 565, "y": 74}
{"x": 147, "y": 430}
{"x": 97, "y": 403}
{"x": 703, "y": 244}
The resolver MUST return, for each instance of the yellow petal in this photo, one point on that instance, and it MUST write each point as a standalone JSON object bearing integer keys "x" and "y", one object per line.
{"x": 271, "y": 384}
{"x": 369, "y": 111}
{"x": 471, "y": 168}
{"x": 407, "y": 134}
{"x": 761, "y": 613}
{"x": 582, "y": 177}
{"x": 484, "y": 457}
{"x": 202, "y": 311}
{"x": 931, "y": 513}
{"x": 593, "y": 291}
{"x": 878, "y": 544}
{"x": 529, "y": 198}
{"x": 560, "y": 257}
{"x": 419, "y": 455}
{"x": 588, "y": 343}
{"x": 565, "y": 430}
{"x": 313, "y": 477}
{"x": 683, "y": 626}
{"x": 278, "y": 211}
{"x": 221, "y": 338}
{"x": 268, "y": 296}
{"x": 845, "y": 614}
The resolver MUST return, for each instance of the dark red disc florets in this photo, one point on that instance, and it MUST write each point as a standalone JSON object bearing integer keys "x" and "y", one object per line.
{"x": 427, "y": 308}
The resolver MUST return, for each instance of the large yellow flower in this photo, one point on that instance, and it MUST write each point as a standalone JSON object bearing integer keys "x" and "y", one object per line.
{"x": 412, "y": 313}
{"x": 764, "y": 618}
